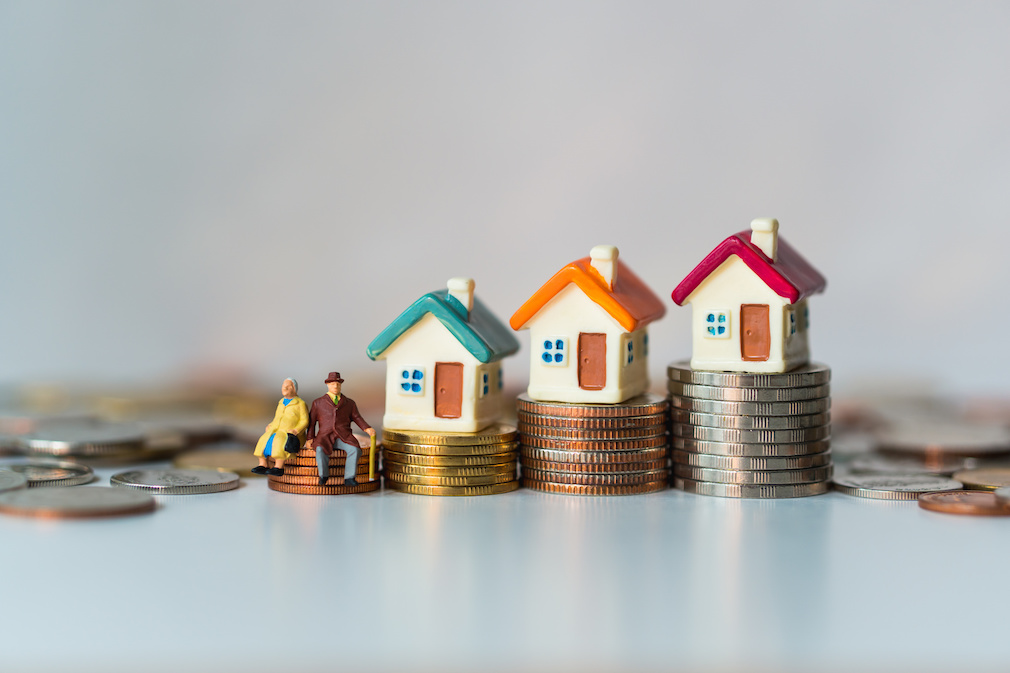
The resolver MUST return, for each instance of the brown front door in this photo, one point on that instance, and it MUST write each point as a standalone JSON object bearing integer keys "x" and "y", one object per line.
{"x": 592, "y": 361}
{"x": 755, "y": 337}
{"x": 448, "y": 389}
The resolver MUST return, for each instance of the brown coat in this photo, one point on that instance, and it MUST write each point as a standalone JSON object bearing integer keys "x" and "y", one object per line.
{"x": 334, "y": 421}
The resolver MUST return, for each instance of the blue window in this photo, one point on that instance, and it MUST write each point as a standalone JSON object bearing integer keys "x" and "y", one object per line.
{"x": 412, "y": 381}
{"x": 554, "y": 351}
{"x": 792, "y": 322}
{"x": 629, "y": 350}
{"x": 485, "y": 383}
{"x": 645, "y": 345}
{"x": 717, "y": 325}
{"x": 501, "y": 380}
{"x": 806, "y": 318}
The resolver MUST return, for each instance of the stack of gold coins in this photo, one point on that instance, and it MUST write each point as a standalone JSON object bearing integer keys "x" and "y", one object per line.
{"x": 744, "y": 435}
{"x": 594, "y": 449}
{"x": 301, "y": 474}
{"x": 433, "y": 463}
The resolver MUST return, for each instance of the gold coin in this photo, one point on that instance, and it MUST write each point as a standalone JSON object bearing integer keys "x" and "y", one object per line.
{"x": 485, "y": 480}
{"x": 599, "y": 468}
{"x": 985, "y": 478}
{"x": 583, "y": 489}
{"x": 425, "y": 471}
{"x": 365, "y": 487}
{"x": 451, "y": 449}
{"x": 498, "y": 433}
{"x": 449, "y": 461}
{"x": 642, "y": 405}
{"x": 417, "y": 489}
{"x": 597, "y": 479}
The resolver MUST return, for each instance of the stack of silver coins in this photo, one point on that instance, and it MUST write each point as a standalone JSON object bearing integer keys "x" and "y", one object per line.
{"x": 451, "y": 464}
{"x": 594, "y": 449}
{"x": 742, "y": 435}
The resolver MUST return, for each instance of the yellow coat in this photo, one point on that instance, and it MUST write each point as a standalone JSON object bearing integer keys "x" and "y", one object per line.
{"x": 292, "y": 418}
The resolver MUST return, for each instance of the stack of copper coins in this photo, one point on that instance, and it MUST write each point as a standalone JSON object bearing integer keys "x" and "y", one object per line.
{"x": 594, "y": 449}
{"x": 433, "y": 463}
{"x": 743, "y": 435}
{"x": 301, "y": 474}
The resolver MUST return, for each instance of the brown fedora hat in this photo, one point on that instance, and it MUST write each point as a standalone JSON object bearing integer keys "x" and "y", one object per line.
{"x": 334, "y": 376}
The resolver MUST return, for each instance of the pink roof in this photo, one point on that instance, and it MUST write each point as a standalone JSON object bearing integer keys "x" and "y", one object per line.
{"x": 790, "y": 276}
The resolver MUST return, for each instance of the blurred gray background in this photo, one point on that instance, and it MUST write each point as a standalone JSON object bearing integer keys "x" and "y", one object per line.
{"x": 257, "y": 189}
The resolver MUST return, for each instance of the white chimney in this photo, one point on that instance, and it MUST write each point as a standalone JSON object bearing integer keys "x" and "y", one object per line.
{"x": 604, "y": 260}
{"x": 461, "y": 289}
{"x": 764, "y": 233}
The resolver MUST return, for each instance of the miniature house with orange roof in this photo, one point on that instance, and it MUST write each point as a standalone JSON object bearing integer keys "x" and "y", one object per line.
{"x": 443, "y": 362}
{"x": 749, "y": 303}
{"x": 588, "y": 331}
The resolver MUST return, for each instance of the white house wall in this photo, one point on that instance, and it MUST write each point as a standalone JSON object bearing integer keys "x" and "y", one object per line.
{"x": 566, "y": 315}
{"x": 422, "y": 346}
{"x": 726, "y": 289}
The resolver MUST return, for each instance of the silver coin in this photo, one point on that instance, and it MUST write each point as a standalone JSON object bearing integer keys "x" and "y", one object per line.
{"x": 1003, "y": 494}
{"x": 687, "y": 431}
{"x": 751, "y": 462}
{"x": 748, "y": 394}
{"x": 12, "y": 481}
{"x": 53, "y": 473}
{"x": 87, "y": 501}
{"x": 736, "y": 422}
{"x": 818, "y": 406}
{"x": 951, "y": 437}
{"x": 893, "y": 486}
{"x": 763, "y": 477}
{"x": 83, "y": 438}
{"x": 741, "y": 449}
{"x": 177, "y": 482}
{"x": 751, "y": 491}
{"x": 637, "y": 406}
{"x": 812, "y": 374}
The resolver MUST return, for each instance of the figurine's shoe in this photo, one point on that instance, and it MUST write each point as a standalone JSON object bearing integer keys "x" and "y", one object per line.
{"x": 259, "y": 469}
{"x": 350, "y": 482}
{"x": 322, "y": 481}
{"x": 275, "y": 471}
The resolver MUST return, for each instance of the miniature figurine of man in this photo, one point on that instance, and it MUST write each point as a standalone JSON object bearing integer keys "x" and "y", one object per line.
{"x": 334, "y": 412}
{"x": 285, "y": 433}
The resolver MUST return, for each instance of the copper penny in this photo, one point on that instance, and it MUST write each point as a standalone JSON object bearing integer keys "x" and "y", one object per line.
{"x": 597, "y": 479}
{"x": 601, "y": 445}
{"x": 313, "y": 480}
{"x": 593, "y": 434}
{"x": 575, "y": 422}
{"x": 642, "y": 405}
{"x": 975, "y": 503}
{"x": 635, "y": 456}
{"x": 300, "y": 489}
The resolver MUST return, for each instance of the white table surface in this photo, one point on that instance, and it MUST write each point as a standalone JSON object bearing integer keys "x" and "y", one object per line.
{"x": 254, "y": 580}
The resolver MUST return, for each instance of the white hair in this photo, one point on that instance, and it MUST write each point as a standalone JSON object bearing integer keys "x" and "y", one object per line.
{"x": 295, "y": 383}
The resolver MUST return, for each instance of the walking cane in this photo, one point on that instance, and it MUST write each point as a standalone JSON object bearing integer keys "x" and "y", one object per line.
{"x": 371, "y": 461}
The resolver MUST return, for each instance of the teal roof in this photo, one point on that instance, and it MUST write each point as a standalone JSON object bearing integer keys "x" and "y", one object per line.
{"x": 487, "y": 338}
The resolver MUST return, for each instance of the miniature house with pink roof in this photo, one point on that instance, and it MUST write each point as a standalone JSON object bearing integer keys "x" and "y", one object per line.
{"x": 749, "y": 303}
{"x": 589, "y": 332}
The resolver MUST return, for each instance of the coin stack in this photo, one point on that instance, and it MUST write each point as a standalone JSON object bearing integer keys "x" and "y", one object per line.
{"x": 594, "y": 449}
{"x": 743, "y": 435}
{"x": 301, "y": 474}
{"x": 434, "y": 463}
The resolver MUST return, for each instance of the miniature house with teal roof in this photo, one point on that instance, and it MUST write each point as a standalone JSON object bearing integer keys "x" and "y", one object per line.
{"x": 443, "y": 362}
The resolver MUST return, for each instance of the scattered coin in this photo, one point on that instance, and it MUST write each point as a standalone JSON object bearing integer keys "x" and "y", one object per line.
{"x": 875, "y": 463}
{"x": 751, "y": 491}
{"x": 83, "y": 438}
{"x": 53, "y": 473}
{"x": 177, "y": 482}
{"x": 12, "y": 481}
{"x": 985, "y": 478}
{"x": 1003, "y": 495}
{"x": 893, "y": 486}
{"x": 949, "y": 437}
{"x": 241, "y": 460}
{"x": 976, "y": 503}
{"x": 812, "y": 374}
{"x": 643, "y": 405}
{"x": 72, "y": 503}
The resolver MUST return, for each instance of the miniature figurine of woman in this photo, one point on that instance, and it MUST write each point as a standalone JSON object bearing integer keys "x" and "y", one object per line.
{"x": 285, "y": 434}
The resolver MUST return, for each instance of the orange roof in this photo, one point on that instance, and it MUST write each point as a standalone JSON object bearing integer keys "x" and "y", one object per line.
{"x": 631, "y": 303}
